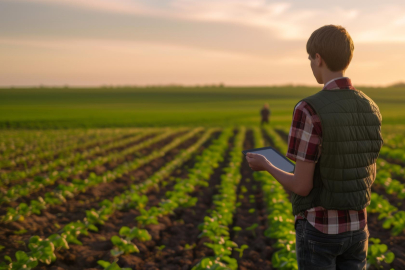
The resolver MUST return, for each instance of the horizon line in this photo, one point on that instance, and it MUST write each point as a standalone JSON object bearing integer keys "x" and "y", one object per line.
{"x": 64, "y": 86}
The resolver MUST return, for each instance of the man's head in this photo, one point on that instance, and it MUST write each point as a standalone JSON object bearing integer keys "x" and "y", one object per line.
{"x": 330, "y": 50}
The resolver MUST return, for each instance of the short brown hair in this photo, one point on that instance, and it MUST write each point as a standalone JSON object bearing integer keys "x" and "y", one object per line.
{"x": 334, "y": 45}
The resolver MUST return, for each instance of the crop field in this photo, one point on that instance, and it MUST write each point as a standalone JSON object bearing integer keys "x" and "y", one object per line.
{"x": 175, "y": 196}
{"x": 45, "y": 108}
{"x": 165, "y": 198}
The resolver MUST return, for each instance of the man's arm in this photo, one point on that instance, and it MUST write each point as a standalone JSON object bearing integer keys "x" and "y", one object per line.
{"x": 303, "y": 147}
{"x": 300, "y": 182}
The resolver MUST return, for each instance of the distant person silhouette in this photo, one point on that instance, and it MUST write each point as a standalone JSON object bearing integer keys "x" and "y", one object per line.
{"x": 265, "y": 112}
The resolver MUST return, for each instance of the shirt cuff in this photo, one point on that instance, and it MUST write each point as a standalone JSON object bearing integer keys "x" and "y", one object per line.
{"x": 295, "y": 157}
{"x": 292, "y": 157}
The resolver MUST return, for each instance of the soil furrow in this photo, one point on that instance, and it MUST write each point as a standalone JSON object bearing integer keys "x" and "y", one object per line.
{"x": 396, "y": 244}
{"x": 392, "y": 198}
{"x": 267, "y": 140}
{"x": 74, "y": 209}
{"x": 55, "y": 143}
{"x": 72, "y": 163}
{"x": 97, "y": 245}
{"x": 282, "y": 134}
{"x": 176, "y": 231}
{"x": 110, "y": 165}
{"x": 250, "y": 216}
{"x": 28, "y": 164}
{"x": 394, "y": 161}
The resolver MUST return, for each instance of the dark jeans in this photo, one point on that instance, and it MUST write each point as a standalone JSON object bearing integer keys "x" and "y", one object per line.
{"x": 317, "y": 250}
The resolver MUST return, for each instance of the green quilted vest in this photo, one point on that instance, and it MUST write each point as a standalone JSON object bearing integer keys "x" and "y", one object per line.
{"x": 351, "y": 142}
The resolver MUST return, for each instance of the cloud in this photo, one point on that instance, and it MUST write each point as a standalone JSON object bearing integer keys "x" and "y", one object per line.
{"x": 117, "y": 6}
{"x": 279, "y": 18}
{"x": 290, "y": 20}
{"x": 230, "y": 9}
{"x": 387, "y": 24}
{"x": 276, "y": 16}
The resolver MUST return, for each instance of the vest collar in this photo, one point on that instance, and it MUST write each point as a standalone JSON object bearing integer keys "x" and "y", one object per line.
{"x": 339, "y": 83}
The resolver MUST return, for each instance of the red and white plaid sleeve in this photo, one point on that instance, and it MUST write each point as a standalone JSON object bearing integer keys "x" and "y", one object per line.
{"x": 305, "y": 134}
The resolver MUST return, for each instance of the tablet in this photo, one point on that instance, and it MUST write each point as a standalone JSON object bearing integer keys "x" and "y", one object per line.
{"x": 274, "y": 156}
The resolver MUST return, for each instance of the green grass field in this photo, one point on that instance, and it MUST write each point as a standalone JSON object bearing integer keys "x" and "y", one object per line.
{"x": 167, "y": 106}
{"x": 69, "y": 194}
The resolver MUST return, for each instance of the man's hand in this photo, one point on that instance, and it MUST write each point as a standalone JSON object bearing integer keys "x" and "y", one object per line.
{"x": 299, "y": 182}
{"x": 257, "y": 162}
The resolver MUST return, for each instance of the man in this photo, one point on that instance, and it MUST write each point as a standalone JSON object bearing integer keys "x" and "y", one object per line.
{"x": 265, "y": 113}
{"x": 335, "y": 139}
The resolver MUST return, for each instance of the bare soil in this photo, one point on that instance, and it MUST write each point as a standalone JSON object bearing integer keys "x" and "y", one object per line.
{"x": 57, "y": 216}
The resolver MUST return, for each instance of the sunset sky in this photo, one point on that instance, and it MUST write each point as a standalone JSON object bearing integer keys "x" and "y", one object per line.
{"x": 236, "y": 42}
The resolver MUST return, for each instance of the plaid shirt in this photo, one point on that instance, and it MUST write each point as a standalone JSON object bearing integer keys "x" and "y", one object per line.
{"x": 304, "y": 144}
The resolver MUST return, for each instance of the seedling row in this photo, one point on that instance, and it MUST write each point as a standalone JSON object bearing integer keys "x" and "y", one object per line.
{"x": 170, "y": 199}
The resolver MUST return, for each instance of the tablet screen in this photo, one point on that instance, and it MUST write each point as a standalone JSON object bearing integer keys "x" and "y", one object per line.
{"x": 275, "y": 158}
